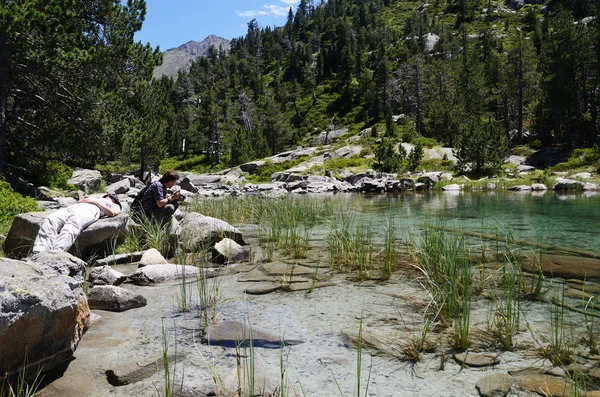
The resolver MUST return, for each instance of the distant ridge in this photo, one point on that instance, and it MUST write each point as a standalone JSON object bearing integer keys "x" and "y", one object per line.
{"x": 180, "y": 58}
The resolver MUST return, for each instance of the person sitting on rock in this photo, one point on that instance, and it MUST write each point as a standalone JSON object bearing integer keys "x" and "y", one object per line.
{"x": 154, "y": 203}
{"x": 61, "y": 228}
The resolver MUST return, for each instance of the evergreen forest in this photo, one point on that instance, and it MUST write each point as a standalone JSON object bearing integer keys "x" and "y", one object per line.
{"x": 76, "y": 89}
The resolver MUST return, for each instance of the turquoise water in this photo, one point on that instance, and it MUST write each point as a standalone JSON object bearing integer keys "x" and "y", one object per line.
{"x": 560, "y": 220}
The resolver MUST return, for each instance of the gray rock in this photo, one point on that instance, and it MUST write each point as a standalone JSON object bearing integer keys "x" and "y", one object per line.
{"x": 430, "y": 40}
{"x": 520, "y": 188}
{"x": 419, "y": 186}
{"x": 326, "y": 137}
{"x": 64, "y": 202}
{"x": 160, "y": 273}
{"x": 407, "y": 184}
{"x": 152, "y": 257}
{"x": 43, "y": 315}
{"x": 525, "y": 168}
{"x": 582, "y": 175}
{"x": 198, "y": 231}
{"x": 87, "y": 180}
{"x": 567, "y": 184}
{"x": 538, "y": 187}
{"x": 590, "y": 187}
{"x": 451, "y": 188}
{"x": 114, "y": 177}
{"x": 517, "y": 4}
{"x": 252, "y": 166}
{"x": 227, "y": 250}
{"x": 134, "y": 182}
{"x": 97, "y": 236}
{"x": 430, "y": 178}
{"x": 496, "y": 385}
{"x": 60, "y": 263}
{"x": 120, "y": 187}
{"x": 345, "y": 152}
{"x": 120, "y": 258}
{"x": 115, "y": 299}
{"x": 106, "y": 275}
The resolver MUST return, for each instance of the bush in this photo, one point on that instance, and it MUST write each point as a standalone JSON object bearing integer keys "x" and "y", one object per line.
{"x": 57, "y": 176}
{"x": 264, "y": 173}
{"x": 415, "y": 156}
{"x": 481, "y": 148}
{"x": 388, "y": 159}
{"x": 12, "y": 204}
{"x": 425, "y": 142}
{"x": 580, "y": 158}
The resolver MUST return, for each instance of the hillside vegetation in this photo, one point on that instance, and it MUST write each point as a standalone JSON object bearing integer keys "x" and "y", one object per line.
{"x": 480, "y": 76}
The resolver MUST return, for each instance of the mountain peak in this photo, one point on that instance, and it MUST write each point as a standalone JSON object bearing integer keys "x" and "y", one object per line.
{"x": 180, "y": 58}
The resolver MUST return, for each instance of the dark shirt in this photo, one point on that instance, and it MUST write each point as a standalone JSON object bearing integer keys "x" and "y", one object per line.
{"x": 156, "y": 191}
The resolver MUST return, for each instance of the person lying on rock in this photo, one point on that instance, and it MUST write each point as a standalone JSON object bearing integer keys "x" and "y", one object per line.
{"x": 154, "y": 203}
{"x": 61, "y": 228}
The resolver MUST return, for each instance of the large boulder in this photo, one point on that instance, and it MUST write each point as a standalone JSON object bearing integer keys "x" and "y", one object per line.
{"x": 97, "y": 236}
{"x": 199, "y": 231}
{"x": 87, "y": 180}
{"x": 326, "y": 137}
{"x": 120, "y": 187}
{"x": 115, "y": 299}
{"x": 567, "y": 184}
{"x": 43, "y": 312}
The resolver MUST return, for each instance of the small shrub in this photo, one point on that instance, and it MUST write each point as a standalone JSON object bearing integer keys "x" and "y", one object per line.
{"x": 57, "y": 176}
{"x": 415, "y": 156}
{"x": 580, "y": 158}
{"x": 12, "y": 204}
{"x": 425, "y": 142}
{"x": 388, "y": 159}
{"x": 264, "y": 173}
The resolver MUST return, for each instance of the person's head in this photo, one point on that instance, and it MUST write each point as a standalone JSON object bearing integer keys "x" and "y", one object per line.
{"x": 169, "y": 179}
{"x": 114, "y": 198}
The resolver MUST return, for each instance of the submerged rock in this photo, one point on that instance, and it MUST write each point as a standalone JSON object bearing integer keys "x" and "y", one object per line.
{"x": 496, "y": 385}
{"x": 233, "y": 334}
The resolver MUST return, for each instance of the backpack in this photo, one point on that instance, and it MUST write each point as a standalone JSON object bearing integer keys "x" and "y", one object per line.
{"x": 136, "y": 206}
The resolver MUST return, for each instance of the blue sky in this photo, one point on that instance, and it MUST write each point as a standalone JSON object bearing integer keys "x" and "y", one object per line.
{"x": 171, "y": 23}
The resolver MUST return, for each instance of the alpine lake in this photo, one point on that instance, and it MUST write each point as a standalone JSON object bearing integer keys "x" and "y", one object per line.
{"x": 421, "y": 294}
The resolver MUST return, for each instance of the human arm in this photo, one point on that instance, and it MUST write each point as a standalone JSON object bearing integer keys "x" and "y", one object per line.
{"x": 161, "y": 197}
{"x": 106, "y": 210}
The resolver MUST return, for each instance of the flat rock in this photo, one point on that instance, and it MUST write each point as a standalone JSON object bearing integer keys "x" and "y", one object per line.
{"x": 496, "y": 385}
{"x": 285, "y": 269}
{"x": 520, "y": 188}
{"x": 106, "y": 275}
{"x": 255, "y": 276}
{"x": 476, "y": 360}
{"x": 112, "y": 298}
{"x": 545, "y": 385}
{"x": 233, "y": 333}
{"x": 152, "y": 257}
{"x": 262, "y": 288}
{"x": 566, "y": 266}
{"x": 307, "y": 286}
{"x": 567, "y": 184}
{"x": 161, "y": 273}
{"x": 538, "y": 187}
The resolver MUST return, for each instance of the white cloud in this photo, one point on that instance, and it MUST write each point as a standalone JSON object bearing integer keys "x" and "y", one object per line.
{"x": 251, "y": 13}
{"x": 277, "y": 11}
{"x": 269, "y": 9}
{"x": 291, "y": 2}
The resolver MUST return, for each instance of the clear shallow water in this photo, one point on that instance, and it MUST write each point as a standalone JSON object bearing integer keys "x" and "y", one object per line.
{"x": 556, "y": 219}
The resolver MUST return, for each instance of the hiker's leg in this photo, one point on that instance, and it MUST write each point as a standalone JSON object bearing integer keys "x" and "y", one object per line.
{"x": 49, "y": 231}
{"x": 76, "y": 222}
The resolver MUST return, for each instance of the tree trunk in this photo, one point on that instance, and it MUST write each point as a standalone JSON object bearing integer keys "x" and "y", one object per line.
{"x": 4, "y": 66}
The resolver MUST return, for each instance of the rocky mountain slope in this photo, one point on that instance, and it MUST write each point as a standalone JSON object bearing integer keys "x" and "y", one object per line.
{"x": 180, "y": 58}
